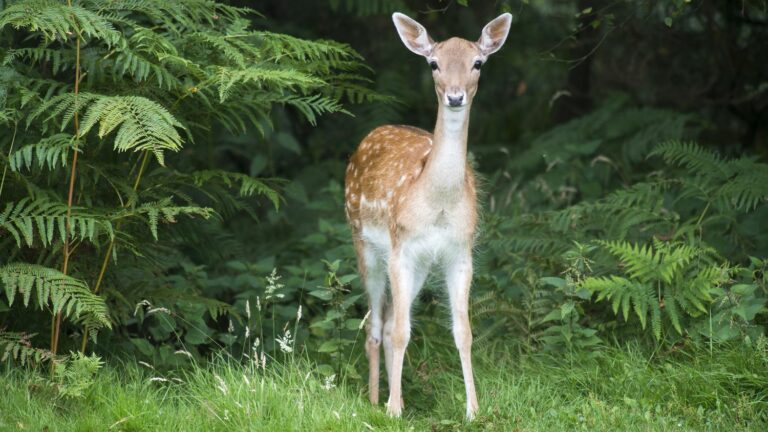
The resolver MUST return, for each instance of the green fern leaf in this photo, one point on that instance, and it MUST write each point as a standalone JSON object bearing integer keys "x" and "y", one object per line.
{"x": 58, "y": 21}
{"x": 17, "y": 346}
{"x": 62, "y": 293}
{"x": 27, "y": 216}
{"x": 50, "y": 152}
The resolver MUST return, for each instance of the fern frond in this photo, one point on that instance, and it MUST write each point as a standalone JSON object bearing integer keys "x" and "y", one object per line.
{"x": 17, "y": 346}
{"x": 143, "y": 124}
{"x": 312, "y": 106}
{"x": 64, "y": 105}
{"x": 697, "y": 159}
{"x": 624, "y": 294}
{"x": 275, "y": 46}
{"x": 62, "y": 293}
{"x": 227, "y": 79}
{"x": 249, "y": 186}
{"x": 163, "y": 211}
{"x": 57, "y": 21}
{"x": 50, "y": 152}
{"x": 747, "y": 188}
{"x": 640, "y": 261}
{"x": 58, "y": 59}
{"x": 27, "y": 216}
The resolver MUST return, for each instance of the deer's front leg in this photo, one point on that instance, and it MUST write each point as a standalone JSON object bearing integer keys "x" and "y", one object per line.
{"x": 458, "y": 277}
{"x": 401, "y": 277}
{"x": 375, "y": 283}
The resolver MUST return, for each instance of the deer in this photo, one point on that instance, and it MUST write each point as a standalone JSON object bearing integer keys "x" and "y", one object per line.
{"x": 411, "y": 204}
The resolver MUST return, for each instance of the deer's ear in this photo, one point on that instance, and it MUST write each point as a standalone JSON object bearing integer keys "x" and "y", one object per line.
{"x": 413, "y": 34}
{"x": 494, "y": 34}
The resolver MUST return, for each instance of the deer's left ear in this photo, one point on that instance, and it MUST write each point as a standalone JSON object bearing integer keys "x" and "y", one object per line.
{"x": 494, "y": 34}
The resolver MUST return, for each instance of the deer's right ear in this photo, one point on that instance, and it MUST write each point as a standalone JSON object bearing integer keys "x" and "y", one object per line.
{"x": 413, "y": 34}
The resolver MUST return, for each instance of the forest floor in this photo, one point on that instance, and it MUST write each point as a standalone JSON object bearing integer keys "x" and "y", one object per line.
{"x": 611, "y": 389}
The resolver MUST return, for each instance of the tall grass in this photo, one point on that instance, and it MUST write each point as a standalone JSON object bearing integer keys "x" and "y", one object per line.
{"x": 613, "y": 389}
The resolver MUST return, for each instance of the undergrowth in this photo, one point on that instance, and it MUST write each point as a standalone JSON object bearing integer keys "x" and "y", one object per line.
{"x": 621, "y": 388}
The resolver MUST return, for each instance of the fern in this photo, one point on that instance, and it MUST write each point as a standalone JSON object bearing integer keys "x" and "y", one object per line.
{"x": 141, "y": 58}
{"x": 155, "y": 75}
{"x": 27, "y": 217}
{"x": 227, "y": 79}
{"x": 249, "y": 186}
{"x": 680, "y": 277}
{"x": 17, "y": 346}
{"x": 57, "y": 21}
{"x": 312, "y": 106}
{"x": 740, "y": 184}
{"x": 143, "y": 124}
{"x": 163, "y": 211}
{"x": 50, "y": 152}
{"x": 61, "y": 293}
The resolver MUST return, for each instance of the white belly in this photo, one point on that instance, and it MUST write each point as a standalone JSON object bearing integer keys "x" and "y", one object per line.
{"x": 423, "y": 248}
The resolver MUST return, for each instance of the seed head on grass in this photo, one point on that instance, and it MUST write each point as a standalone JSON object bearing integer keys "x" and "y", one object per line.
{"x": 285, "y": 342}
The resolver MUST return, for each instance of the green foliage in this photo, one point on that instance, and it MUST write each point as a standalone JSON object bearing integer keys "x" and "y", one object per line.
{"x": 57, "y": 21}
{"x": 27, "y": 219}
{"x": 739, "y": 184}
{"x": 73, "y": 377}
{"x": 187, "y": 113}
{"x": 55, "y": 290}
{"x": 658, "y": 240}
{"x": 624, "y": 388}
{"x": 17, "y": 347}
{"x": 154, "y": 77}
{"x": 679, "y": 278}
{"x": 336, "y": 328}
{"x": 51, "y": 152}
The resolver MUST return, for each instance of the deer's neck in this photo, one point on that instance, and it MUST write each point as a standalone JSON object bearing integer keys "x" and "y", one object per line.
{"x": 445, "y": 170}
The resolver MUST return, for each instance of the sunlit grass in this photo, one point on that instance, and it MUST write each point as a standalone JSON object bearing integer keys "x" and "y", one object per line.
{"x": 615, "y": 389}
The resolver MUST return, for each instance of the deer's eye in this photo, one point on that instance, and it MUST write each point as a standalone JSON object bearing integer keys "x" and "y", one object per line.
{"x": 433, "y": 65}
{"x": 478, "y": 64}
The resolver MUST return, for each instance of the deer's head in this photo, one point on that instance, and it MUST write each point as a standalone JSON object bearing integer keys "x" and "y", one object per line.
{"x": 455, "y": 62}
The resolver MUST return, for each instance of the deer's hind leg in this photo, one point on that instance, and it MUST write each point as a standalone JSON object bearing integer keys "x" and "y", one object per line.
{"x": 373, "y": 272}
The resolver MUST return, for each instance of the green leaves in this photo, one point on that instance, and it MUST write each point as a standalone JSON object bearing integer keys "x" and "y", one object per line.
{"x": 50, "y": 152}
{"x": 57, "y": 21}
{"x": 28, "y": 218}
{"x": 670, "y": 277}
{"x": 17, "y": 346}
{"x": 141, "y": 123}
{"x": 61, "y": 293}
{"x": 738, "y": 184}
{"x": 248, "y": 186}
{"x": 152, "y": 77}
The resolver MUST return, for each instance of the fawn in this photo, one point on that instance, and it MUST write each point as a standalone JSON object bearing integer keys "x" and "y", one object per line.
{"x": 410, "y": 200}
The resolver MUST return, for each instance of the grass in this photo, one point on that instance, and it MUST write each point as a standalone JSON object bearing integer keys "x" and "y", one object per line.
{"x": 611, "y": 389}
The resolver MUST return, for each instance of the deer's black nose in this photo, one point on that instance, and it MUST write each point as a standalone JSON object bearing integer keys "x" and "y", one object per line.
{"x": 455, "y": 101}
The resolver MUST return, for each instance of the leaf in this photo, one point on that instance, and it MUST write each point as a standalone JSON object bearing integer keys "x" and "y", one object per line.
{"x": 322, "y": 294}
{"x": 554, "y": 281}
{"x": 329, "y": 346}
{"x": 744, "y": 289}
{"x": 350, "y": 324}
{"x": 55, "y": 290}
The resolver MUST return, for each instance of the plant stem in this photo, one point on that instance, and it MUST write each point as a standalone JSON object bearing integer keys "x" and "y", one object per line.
{"x": 108, "y": 253}
{"x": 5, "y": 168}
{"x": 56, "y": 323}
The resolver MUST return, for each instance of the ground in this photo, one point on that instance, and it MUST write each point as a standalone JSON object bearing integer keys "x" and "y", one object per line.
{"x": 620, "y": 388}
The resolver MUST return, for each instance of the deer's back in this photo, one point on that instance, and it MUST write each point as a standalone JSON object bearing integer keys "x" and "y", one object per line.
{"x": 387, "y": 162}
